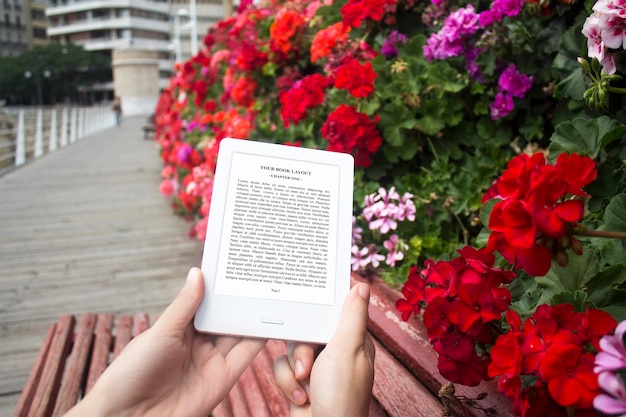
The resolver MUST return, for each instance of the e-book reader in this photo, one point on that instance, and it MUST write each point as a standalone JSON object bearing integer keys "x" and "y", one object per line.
{"x": 276, "y": 259}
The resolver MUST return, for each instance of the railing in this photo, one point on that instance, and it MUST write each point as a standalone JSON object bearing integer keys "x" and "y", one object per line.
{"x": 30, "y": 133}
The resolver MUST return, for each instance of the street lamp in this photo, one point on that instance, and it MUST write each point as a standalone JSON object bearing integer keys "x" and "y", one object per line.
{"x": 194, "y": 27}
{"x": 46, "y": 74}
{"x": 178, "y": 28}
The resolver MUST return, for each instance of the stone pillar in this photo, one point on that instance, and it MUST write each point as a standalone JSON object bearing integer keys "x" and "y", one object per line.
{"x": 136, "y": 80}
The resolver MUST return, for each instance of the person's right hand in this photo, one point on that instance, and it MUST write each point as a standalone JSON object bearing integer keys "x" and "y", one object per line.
{"x": 339, "y": 382}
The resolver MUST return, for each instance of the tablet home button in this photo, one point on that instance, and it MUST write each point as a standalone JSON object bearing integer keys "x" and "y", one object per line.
{"x": 268, "y": 321}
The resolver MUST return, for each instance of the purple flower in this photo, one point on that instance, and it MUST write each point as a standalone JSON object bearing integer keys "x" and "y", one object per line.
{"x": 184, "y": 153}
{"x": 612, "y": 355}
{"x": 450, "y": 40}
{"x": 397, "y": 37}
{"x": 513, "y": 82}
{"x": 388, "y": 49}
{"x": 501, "y": 106}
{"x": 615, "y": 403}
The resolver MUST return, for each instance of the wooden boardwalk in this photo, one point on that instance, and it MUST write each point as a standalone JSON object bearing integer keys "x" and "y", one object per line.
{"x": 84, "y": 229}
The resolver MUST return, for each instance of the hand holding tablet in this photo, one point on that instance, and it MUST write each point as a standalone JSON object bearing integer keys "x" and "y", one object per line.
{"x": 276, "y": 259}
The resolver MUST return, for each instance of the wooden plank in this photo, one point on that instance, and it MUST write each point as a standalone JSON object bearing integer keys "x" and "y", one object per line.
{"x": 398, "y": 392}
{"x": 101, "y": 349}
{"x": 75, "y": 370}
{"x": 28, "y": 393}
{"x": 253, "y": 394}
{"x": 141, "y": 323}
{"x": 124, "y": 334}
{"x": 237, "y": 401}
{"x": 263, "y": 368}
{"x": 48, "y": 388}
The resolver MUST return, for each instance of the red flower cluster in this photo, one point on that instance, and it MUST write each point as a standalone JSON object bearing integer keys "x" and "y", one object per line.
{"x": 356, "y": 78}
{"x": 462, "y": 296}
{"x": 553, "y": 349}
{"x": 354, "y": 11}
{"x": 242, "y": 91}
{"x": 531, "y": 224}
{"x": 303, "y": 94}
{"x": 284, "y": 29}
{"x": 348, "y": 130}
{"x": 326, "y": 39}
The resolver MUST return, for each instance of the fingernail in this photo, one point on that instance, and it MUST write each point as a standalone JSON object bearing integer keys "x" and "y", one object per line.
{"x": 299, "y": 368}
{"x": 298, "y": 396}
{"x": 364, "y": 291}
{"x": 192, "y": 274}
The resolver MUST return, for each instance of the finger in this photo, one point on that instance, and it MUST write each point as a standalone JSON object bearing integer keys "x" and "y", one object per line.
{"x": 301, "y": 357}
{"x": 181, "y": 311}
{"x": 352, "y": 330}
{"x": 287, "y": 382}
{"x": 241, "y": 355}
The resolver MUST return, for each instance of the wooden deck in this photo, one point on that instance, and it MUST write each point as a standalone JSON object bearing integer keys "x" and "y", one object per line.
{"x": 84, "y": 229}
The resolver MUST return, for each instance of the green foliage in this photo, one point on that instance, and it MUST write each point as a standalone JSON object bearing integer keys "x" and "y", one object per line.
{"x": 62, "y": 70}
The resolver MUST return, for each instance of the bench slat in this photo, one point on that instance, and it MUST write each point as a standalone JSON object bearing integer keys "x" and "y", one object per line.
{"x": 101, "y": 349}
{"x": 75, "y": 371}
{"x": 263, "y": 368}
{"x": 237, "y": 401}
{"x": 124, "y": 334}
{"x": 253, "y": 394}
{"x": 399, "y": 393}
{"x": 28, "y": 393}
{"x": 48, "y": 388}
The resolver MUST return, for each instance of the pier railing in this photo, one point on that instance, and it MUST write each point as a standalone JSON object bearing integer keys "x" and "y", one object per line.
{"x": 29, "y": 133}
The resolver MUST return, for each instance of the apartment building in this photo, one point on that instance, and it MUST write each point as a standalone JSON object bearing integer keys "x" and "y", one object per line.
{"x": 23, "y": 25}
{"x": 105, "y": 25}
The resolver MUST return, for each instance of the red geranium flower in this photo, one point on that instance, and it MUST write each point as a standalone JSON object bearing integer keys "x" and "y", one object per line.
{"x": 531, "y": 224}
{"x": 356, "y": 78}
{"x": 303, "y": 94}
{"x": 242, "y": 92}
{"x": 352, "y": 132}
{"x": 354, "y": 11}
{"x": 570, "y": 376}
{"x": 327, "y": 39}
{"x": 286, "y": 26}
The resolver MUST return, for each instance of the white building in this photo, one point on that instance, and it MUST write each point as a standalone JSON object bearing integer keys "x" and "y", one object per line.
{"x": 104, "y": 25}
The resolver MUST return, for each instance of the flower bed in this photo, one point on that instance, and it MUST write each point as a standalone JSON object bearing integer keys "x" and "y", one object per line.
{"x": 489, "y": 143}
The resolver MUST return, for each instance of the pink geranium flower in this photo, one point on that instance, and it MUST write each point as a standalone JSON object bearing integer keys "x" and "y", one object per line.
{"x": 612, "y": 355}
{"x": 614, "y": 401}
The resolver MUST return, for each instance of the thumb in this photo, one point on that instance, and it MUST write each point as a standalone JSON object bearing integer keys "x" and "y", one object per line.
{"x": 352, "y": 330}
{"x": 181, "y": 311}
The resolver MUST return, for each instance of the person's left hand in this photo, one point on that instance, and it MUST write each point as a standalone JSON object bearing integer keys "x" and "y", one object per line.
{"x": 171, "y": 369}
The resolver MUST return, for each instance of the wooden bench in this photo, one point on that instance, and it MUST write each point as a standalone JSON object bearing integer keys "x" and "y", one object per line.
{"x": 148, "y": 130}
{"x": 75, "y": 353}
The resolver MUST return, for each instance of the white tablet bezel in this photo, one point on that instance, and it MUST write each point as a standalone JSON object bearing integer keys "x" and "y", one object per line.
{"x": 275, "y": 318}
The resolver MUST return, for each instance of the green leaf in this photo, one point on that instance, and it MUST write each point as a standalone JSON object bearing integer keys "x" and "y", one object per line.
{"x": 577, "y": 298}
{"x": 430, "y": 125}
{"x": 443, "y": 76}
{"x": 613, "y": 251}
{"x": 572, "y": 277}
{"x": 584, "y": 136}
{"x": 526, "y": 293}
{"x": 615, "y": 214}
{"x": 486, "y": 210}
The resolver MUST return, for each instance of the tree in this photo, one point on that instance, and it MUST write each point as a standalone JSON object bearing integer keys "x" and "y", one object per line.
{"x": 53, "y": 72}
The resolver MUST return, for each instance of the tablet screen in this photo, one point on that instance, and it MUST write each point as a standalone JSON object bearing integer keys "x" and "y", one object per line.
{"x": 279, "y": 236}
